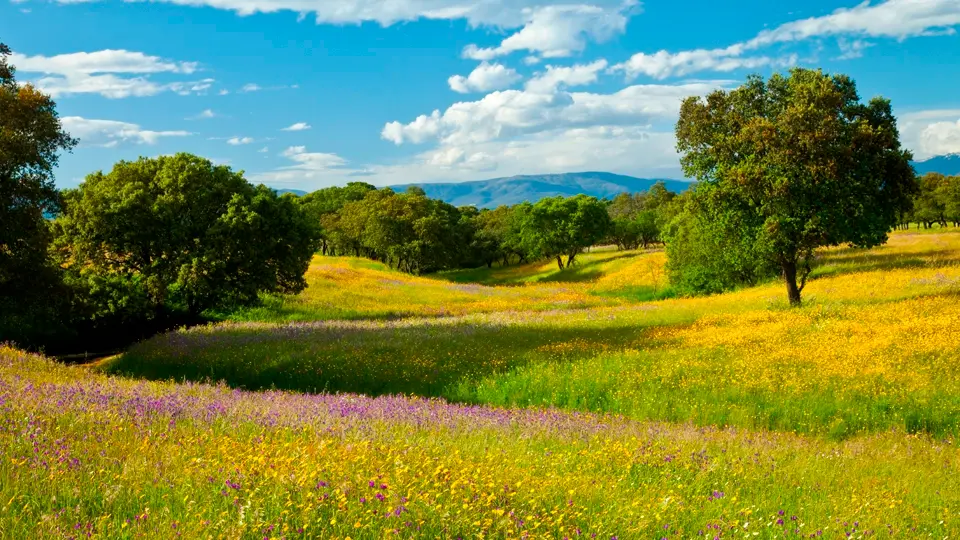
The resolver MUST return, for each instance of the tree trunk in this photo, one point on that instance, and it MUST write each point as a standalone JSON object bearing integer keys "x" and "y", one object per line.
{"x": 560, "y": 262}
{"x": 790, "y": 277}
{"x": 570, "y": 259}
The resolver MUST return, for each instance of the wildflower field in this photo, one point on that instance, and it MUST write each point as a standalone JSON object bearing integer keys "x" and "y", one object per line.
{"x": 517, "y": 402}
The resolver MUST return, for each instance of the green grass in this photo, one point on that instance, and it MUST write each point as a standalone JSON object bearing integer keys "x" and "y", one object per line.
{"x": 863, "y": 355}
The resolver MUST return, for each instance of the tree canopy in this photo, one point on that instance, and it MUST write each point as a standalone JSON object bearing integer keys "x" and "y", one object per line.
{"x": 31, "y": 138}
{"x": 177, "y": 233}
{"x": 795, "y": 163}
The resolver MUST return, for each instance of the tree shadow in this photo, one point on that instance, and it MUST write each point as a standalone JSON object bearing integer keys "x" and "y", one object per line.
{"x": 369, "y": 358}
{"x": 852, "y": 260}
{"x": 583, "y": 271}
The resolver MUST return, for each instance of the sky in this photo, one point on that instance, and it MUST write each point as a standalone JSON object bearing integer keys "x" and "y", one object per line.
{"x": 303, "y": 94}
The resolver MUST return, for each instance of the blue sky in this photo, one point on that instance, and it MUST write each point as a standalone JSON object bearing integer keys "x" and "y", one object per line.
{"x": 308, "y": 93}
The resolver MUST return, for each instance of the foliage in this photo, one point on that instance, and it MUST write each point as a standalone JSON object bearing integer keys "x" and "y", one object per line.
{"x": 710, "y": 252}
{"x": 321, "y": 204}
{"x": 638, "y": 219}
{"x": 558, "y": 227}
{"x": 33, "y": 302}
{"x": 937, "y": 202}
{"x": 417, "y": 235}
{"x": 798, "y": 162}
{"x": 178, "y": 234}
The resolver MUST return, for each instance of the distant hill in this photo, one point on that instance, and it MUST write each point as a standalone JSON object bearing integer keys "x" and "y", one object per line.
{"x": 517, "y": 189}
{"x": 297, "y": 192}
{"x": 948, "y": 165}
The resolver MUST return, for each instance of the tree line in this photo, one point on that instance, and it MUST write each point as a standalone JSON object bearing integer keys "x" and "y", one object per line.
{"x": 937, "y": 202}
{"x": 783, "y": 166}
{"x": 416, "y": 234}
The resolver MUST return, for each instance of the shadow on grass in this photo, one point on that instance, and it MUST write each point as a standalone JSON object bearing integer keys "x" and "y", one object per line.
{"x": 425, "y": 359}
{"x": 515, "y": 275}
{"x": 853, "y": 260}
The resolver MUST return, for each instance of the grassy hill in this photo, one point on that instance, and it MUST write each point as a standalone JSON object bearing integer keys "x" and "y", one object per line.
{"x": 517, "y": 402}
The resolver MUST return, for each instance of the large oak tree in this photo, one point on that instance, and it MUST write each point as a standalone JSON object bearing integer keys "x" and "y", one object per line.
{"x": 31, "y": 137}
{"x": 801, "y": 162}
{"x": 177, "y": 233}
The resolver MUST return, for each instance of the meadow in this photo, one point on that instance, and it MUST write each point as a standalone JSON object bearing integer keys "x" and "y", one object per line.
{"x": 873, "y": 348}
{"x": 85, "y": 455}
{"x": 515, "y": 402}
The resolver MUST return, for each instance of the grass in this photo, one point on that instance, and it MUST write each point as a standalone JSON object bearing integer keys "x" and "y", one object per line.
{"x": 874, "y": 348}
{"x": 86, "y": 455}
{"x": 526, "y": 404}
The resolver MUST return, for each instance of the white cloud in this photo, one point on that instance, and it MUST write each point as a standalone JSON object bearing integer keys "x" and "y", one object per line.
{"x": 898, "y": 19}
{"x": 577, "y": 75}
{"x": 664, "y": 64}
{"x": 299, "y": 126}
{"x": 941, "y": 138}
{"x": 931, "y": 133}
{"x": 110, "y": 133}
{"x": 551, "y": 27}
{"x": 106, "y": 61}
{"x": 558, "y": 30}
{"x": 237, "y": 141}
{"x": 625, "y": 149}
{"x": 206, "y": 114}
{"x": 492, "y": 13}
{"x": 108, "y": 73}
{"x": 510, "y": 113}
{"x": 852, "y": 49}
{"x": 251, "y": 87}
{"x": 484, "y": 78}
{"x": 264, "y": 150}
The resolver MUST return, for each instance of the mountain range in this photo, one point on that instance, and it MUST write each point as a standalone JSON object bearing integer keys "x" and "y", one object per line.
{"x": 516, "y": 189}
{"x": 948, "y": 165}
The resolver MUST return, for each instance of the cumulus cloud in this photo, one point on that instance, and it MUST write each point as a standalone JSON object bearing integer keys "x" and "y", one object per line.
{"x": 898, "y": 19}
{"x": 627, "y": 149}
{"x": 558, "y": 30}
{"x": 664, "y": 64}
{"x": 206, "y": 114}
{"x": 110, "y": 73}
{"x": 238, "y": 141}
{"x": 484, "y": 78}
{"x": 931, "y": 133}
{"x": 299, "y": 126}
{"x": 576, "y": 75}
{"x": 111, "y": 133}
{"x": 892, "y": 19}
{"x": 552, "y": 27}
{"x": 516, "y": 112}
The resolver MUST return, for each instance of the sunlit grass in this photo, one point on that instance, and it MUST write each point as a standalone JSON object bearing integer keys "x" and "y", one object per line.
{"x": 85, "y": 455}
{"x": 873, "y": 348}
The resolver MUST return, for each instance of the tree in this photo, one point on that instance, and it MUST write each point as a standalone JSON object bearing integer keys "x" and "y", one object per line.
{"x": 178, "y": 234}
{"x": 559, "y": 227}
{"x": 799, "y": 163}
{"x": 322, "y": 203}
{"x": 950, "y": 194}
{"x": 31, "y": 137}
{"x": 930, "y": 205}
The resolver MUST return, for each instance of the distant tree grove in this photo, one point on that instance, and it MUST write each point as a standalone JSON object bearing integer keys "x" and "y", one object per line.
{"x": 413, "y": 233}
{"x": 783, "y": 167}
